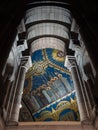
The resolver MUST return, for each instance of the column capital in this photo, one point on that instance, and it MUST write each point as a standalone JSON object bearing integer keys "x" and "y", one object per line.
{"x": 70, "y": 61}
{"x": 26, "y": 62}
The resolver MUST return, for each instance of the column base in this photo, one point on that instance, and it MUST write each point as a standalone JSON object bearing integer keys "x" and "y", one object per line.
{"x": 11, "y": 123}
{"x": 1, "y": 123}
{"x": 87, "y": 122}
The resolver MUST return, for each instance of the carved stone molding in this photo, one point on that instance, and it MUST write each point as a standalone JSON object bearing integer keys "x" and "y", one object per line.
{"x": 26, "y": 62}
{"x": 70, "y": 62}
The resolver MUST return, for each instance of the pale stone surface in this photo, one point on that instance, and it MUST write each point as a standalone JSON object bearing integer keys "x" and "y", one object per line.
{"x": 25, "y": 65}
{"x": 62, "y": 125}
{"x": 21, "y": 27}
{"x": 48, "y": 42}
{"x": 47, "y": 126}
{"x": 48, "y": 13}
{"x": 70, "y": 62}
{"x": 83, "y": 59}
{"x": 47, "y": 29}
{"x": 18, "y": 96}
{"x": 74, "y": 26}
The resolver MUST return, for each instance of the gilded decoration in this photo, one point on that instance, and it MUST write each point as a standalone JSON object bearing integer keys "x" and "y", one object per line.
{"x": 48, "y": 90}
{"x": 61, "y": 110}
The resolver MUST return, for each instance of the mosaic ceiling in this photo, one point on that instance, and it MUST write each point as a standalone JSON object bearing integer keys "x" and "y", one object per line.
{"x": 49, "y": 93}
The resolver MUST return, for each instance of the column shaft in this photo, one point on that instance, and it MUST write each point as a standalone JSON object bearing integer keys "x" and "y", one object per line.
{"x": 80, "y": 100}
{"x": 91, "y": 100}
{"x": 18, "y": 96}
{"x": 89, "y": 84}
{"x": 6, "y": 100}
{"x": 11, "y": 96}
{"x": 72, "y": 65}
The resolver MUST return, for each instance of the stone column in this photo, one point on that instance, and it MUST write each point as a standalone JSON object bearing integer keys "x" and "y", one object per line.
{"x": 91, "y": 99}
{"x": 25, "y": 64}
{"x": 72, "y": 66}
{"x": 6, "y": 99}
{"x": 11, "y": 95}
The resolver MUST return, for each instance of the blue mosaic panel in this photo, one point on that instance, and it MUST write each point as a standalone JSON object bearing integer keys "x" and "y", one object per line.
{"x": 48, "y": 84}
{"x": 64, "y": 109}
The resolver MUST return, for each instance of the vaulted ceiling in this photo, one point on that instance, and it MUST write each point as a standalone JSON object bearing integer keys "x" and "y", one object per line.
{"x": 11, "y": 13}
